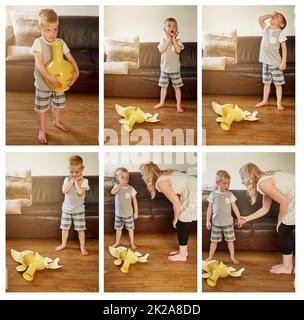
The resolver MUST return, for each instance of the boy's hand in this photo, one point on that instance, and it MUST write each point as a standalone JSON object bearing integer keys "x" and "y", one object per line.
{"x": 282, "y": 66}
{"x": 135, "y": 215}
{"x": 174, "y": 223}
{"x": 74, "y": 77}
{"x": 274, "y": 13}
{"x": 54, "y": 82}
{"x": 167, "y": 34}
{"x": 240, "y": 222}
{"x": 208, "y": 225}
{"x": 175, "y": 35}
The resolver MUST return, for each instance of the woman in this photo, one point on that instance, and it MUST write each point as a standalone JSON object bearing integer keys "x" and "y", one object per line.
{"x": 280, "y": 187}
{"x": 180, "y": 190}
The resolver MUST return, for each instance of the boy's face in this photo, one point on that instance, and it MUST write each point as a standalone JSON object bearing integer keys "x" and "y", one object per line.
{"x": 76, "y": 172}
{"x": 223, "y": 185}
{"x": 277, "y": 21}
{"x": 49, "y": 31}
{"x": 123, "y": 178}
{"x": 171, "y": 27}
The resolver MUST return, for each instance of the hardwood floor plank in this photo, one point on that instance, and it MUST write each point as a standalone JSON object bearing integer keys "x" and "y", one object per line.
{"x": 79, "y": 273}
{"x": 80, "y": 114}
{"x": 274, "y": 127}
{"x": 157, "y": 275}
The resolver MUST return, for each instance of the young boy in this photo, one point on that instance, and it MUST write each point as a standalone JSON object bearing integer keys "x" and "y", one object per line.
{"x": 42, "y": 51}
{"x": 125, "y": 195}
{"x": 219, "y": 208}
{"x": 74, "y": 189}
{"x": 273, "y": 63}
{"x": 170, "y": 48}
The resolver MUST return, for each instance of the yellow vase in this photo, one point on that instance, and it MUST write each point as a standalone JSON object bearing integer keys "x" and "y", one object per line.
{"x": 59, "y": 67}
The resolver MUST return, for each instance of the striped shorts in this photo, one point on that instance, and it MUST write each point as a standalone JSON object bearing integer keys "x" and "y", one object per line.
{"x": 78, "y": 219}
{"x": 43, "y": 99}
{"x": 272, "y": 74}
{"x": 120, "y": 222}
{"x": 175, "y": 79}
{"x": 218, "y": 231}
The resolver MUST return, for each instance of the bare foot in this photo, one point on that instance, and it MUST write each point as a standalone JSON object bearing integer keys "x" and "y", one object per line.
{"x": 236, "y": 262}
{"x": 209, "y": 259}
{"x": 261, "y": 104}
{"x": 281, "y": 269}
{"x": 115, "y": 245}
{"x": 174, "y": 252}
{"x": 42, "y": 137}
{"x": 157, "y": 106}
{"x": 61, "y": 247}
{"x": 84, "y": 251}
{"x": 280, "y": 107}
{"x": 133, "y": 246}
{"x": 59, "y": 125}
{"x": 179, "y": 109}
{"x": 178, "y": 257}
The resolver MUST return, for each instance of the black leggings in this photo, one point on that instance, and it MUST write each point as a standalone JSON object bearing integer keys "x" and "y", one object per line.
{"x": 287, "y": 239}
{"x": 182, "y": 232}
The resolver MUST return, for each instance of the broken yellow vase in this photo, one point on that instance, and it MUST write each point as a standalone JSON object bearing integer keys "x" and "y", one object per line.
{"x": 59, "y": 67}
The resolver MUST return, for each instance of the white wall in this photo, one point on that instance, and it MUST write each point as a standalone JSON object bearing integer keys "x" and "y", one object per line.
{"x": 179, "y": 161}
{"x": 243, "y": 18}
{"x": 147, "y": 21}
{"x": 232, "y": 162}
{"x": 49, "y": 164}
{"x": 60, "y": 10}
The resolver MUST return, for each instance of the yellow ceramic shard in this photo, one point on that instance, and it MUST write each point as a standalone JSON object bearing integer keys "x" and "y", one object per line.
{"x": 126, "y": 257}
{"x": 217, "y": 269}
{"x": 59, "y": 67}
{"x": 132, "y": 115}
{"x": 31, "y": 262}
{"x": 232, "y": 113}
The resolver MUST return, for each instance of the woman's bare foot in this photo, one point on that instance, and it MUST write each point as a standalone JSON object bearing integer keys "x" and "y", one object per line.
{"x": 133, "y": 246}
{"x": 42, "y": 137}
{"x": 157, "y": 106}
{"x": 178, "y": 257}
{"x": 179, "y": 109}
{"x": 262, "y": 103}
{"x": 174, "y": 252}
{"x": 115, "y": 245}
{"x": 84, "y": 251}
{"x": 281, "y": 269}
{"x": 61, "y": 247}
{"x": 280, "y": 107}
{"x": 236, "y": 262}
{"x": 59, "y": 125}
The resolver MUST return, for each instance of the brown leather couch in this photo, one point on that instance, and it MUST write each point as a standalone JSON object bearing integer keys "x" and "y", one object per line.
{"x": 41, "y": 220}
{"x": 245, "y": 77}
{"x": 154, "y": 215}
{"x": 143, "y": 82}
{"x": 81, "y": 34}
{"x": 259, "y": 235}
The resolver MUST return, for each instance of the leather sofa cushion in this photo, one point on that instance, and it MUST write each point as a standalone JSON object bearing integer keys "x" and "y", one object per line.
{"x": 79, "y": 31}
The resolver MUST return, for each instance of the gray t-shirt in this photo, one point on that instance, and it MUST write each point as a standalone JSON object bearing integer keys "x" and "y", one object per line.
{"x": 73, "y": 202}
{"x": 169, "y": 60}
{"x": 270, "y": 46}
{"x": 221, "y": 207}
{"x": 41, "y": 45}
{"x": 123, "y": 202}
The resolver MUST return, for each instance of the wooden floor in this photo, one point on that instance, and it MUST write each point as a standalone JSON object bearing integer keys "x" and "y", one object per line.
{"x": 158, "y": 274}
{"x": 273, "y": 128}
{"x": 256, "y": 277}
{"x": 169, "y": 119}
{"x": 80, "y": 114}
{"x": 78, "y": 274}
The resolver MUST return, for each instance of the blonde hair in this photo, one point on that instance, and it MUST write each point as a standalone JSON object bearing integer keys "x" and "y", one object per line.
{"x": 283, "y": 20}
{"x": 222, "y": 174}
{"x": 47, "y": 16}
{"x": 150, "y": 173}
{"x": 251, "y": 174}
{"x": 170, "y": 20}
{"x": 75, "y": 161}
{"x": 118, "y": 170}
